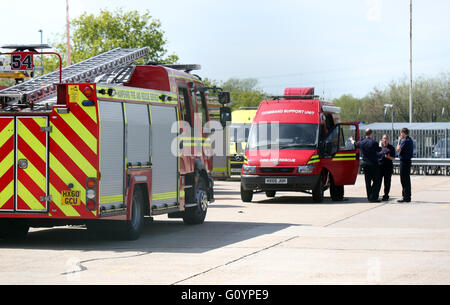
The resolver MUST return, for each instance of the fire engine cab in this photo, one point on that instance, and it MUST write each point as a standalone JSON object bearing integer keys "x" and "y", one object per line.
{"x": 104, "y": 145}
{"x": 297, "y": 143}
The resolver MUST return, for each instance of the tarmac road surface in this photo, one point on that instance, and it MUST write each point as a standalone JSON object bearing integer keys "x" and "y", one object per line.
{"x": 285, "y": 240}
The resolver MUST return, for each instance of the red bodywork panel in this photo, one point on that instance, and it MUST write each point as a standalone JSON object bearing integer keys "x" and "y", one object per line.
{"x": 298, "y": 91}
{"x": 293, "y": 111}
{"x": 281, "y": 158}
{"x": 150, "y": 77}
{"x": 167, "y": 79}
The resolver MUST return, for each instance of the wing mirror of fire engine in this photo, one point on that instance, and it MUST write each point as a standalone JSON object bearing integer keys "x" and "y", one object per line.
{"x": 224, "y": 97}
{"x": 225, "y": 115}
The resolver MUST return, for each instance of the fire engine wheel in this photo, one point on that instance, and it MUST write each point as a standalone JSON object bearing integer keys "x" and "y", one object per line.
{"x": 246, "y": 196}
{"x": 133, "y": 227}
{"x": 13, "y": 230}
{"x": 196, "y": 215}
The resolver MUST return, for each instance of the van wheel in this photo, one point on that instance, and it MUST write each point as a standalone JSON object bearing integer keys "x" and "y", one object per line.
{"x": 246, "y": 196}
{"x": 196, "y": 215}
{"x": 133, "y": 227}
{"x": 271, "y": 194}
{"x": 318, "y": 191}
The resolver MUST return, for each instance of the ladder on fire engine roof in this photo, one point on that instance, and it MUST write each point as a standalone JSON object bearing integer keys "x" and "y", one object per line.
{"x": 43, "y": 87}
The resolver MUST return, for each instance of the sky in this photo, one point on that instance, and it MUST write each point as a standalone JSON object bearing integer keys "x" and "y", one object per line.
{"x": 338, "y": 47}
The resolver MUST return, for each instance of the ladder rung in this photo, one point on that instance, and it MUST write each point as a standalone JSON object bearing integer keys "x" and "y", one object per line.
{"x": 43, "y": 86}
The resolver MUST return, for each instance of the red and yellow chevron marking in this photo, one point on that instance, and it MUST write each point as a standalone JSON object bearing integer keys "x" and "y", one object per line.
{"x": 6, "y": 164}
{"x": 73, "y": 155}
{"x": 32, "y": 180}
{"x": 54, "y": 161}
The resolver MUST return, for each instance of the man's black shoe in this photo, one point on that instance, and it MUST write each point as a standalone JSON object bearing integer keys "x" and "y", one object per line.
{"x": 385, "y": 198}
{"x": 377, "y": 200}
{"x": 403, "y": 201}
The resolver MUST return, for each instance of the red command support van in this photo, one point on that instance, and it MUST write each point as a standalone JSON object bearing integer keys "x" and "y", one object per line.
{"x": 297, "y": 143}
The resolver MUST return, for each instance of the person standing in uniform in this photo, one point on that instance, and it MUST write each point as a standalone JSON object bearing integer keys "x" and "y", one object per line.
{"x": 405, "y": 147}
{"x": 369, "y": 151}
{"x": 387, "y": 157}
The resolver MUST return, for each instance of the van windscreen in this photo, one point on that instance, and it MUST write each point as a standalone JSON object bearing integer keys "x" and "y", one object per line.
{"x": 273, "y": 136}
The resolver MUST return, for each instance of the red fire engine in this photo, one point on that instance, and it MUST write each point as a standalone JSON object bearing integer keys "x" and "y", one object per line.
{"x": 104, "y": 147}
{"x": 297, "y": 143}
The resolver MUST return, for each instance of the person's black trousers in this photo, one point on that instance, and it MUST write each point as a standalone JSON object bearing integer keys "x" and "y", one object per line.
{"x": 405, "y": 179}
{"x": 373, "y": 181}
{"x": 386, "y": 176}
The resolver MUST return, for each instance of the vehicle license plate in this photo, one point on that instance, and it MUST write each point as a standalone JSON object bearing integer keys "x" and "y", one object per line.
{"x": 276, "y": 181}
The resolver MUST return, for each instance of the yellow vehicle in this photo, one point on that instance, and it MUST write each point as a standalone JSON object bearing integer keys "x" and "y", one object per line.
{"x": 7, "y": 73}
{"x": 221, "y": 163}
{"x": 239, "y": 130}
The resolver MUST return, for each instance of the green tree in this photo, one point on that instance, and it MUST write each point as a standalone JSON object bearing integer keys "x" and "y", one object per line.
{"x": 244, "y": 92}
{"x": 351, "y": 108}
{"x": 431, "y": 101}
{"x": 95, "y": 34}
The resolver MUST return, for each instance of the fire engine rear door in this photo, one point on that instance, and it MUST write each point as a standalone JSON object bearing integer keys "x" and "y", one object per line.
{"x": 6, "y": 164}
{"x": 31, "y": 159}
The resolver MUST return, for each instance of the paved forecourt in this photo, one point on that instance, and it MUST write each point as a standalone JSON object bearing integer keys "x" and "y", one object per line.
{"x": 283, "y": 240}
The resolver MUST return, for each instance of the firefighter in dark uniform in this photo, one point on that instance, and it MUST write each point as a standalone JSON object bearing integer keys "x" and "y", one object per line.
{"x": 370, "y": 154}
{"x": 387, "y": 157}
{"x": 405, "y": 147}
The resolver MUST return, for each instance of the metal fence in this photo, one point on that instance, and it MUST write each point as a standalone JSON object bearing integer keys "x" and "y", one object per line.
{"x": 427, "y": 143}
{"x": 427, "y": 167}
{"x": 431, "y": 147}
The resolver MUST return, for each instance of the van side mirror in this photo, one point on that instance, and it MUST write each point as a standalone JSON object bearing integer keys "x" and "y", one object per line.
{"x": 224, "y": 97}
{"x": 330, "y": 148}
{"x": 225, "y": 115}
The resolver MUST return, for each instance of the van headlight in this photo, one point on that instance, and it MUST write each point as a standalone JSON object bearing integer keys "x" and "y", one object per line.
{"x": 307, "y": 169}
{"x": 247, "y": 169}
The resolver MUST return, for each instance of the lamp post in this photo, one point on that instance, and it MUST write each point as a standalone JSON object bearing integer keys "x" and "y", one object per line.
{"x": 386, "y": 106}
{"x": 42, "y": 58}
{"x": 68, "y": 51}
{"x": 410, "y": 63}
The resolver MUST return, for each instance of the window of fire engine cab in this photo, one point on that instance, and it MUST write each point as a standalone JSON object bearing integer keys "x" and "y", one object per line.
{"x": 200, "y": 106}
{"x": 185, "y": 108}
